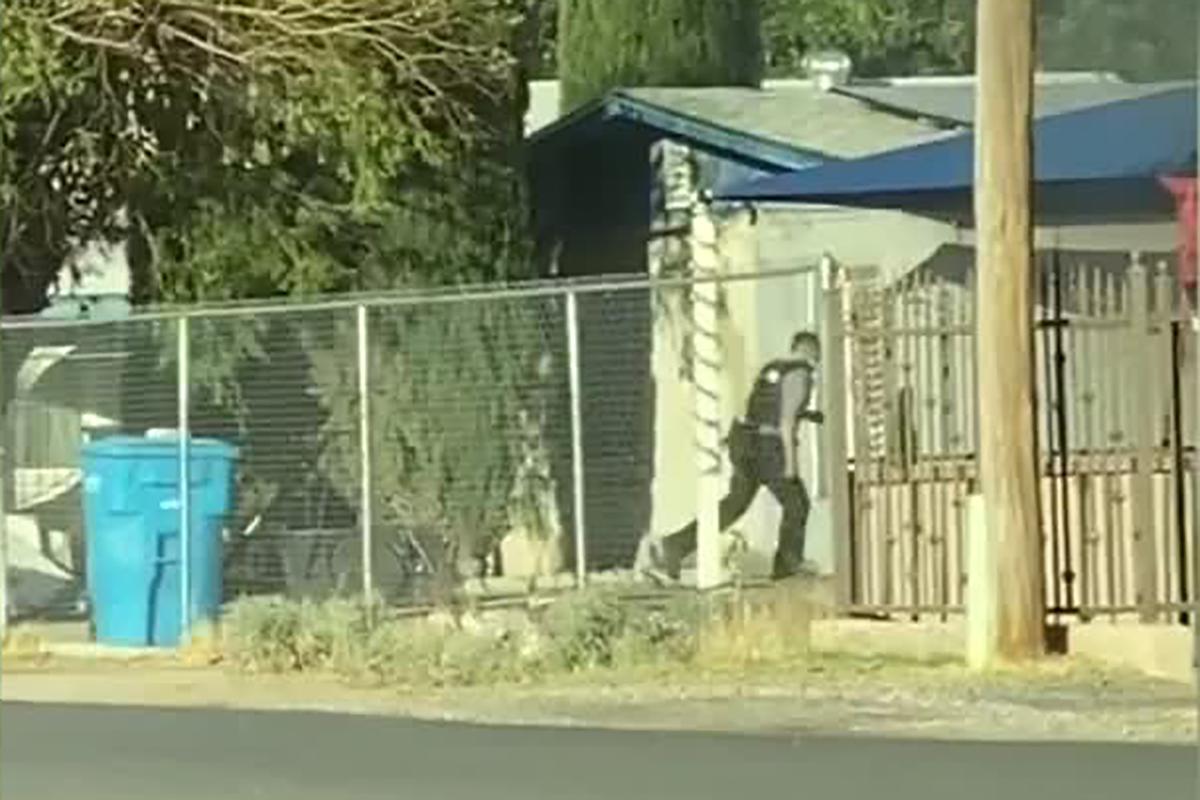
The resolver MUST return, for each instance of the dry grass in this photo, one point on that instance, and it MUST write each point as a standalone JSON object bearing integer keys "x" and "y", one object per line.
{"x": 21, "y": 643}
{"x": 767, "y": 637}
{"x": 22, "y": 648}
{"x": 588, "y": 633}
{"x": 772, "y": 627}
{"x": 203, "y": 648}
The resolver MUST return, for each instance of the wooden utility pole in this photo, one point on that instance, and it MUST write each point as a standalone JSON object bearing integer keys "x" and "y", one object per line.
{"x": 5, "y": 473}
{"x": 1004, "y": 264}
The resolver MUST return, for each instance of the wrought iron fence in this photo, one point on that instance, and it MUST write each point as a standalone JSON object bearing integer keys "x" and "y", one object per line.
{"x": 1115, "y": 369}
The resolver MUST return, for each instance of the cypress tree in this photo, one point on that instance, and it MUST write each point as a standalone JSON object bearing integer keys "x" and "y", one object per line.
{"x": 605, "y": 44}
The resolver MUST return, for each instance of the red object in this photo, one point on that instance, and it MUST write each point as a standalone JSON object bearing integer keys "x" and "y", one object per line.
{"x": 1184, "y": 190}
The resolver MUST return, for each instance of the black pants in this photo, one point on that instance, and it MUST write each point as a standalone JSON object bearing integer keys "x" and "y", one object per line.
{"x": 758, "y": 462}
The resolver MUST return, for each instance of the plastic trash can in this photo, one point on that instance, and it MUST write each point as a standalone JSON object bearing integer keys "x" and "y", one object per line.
{"x": 132, "y": 522}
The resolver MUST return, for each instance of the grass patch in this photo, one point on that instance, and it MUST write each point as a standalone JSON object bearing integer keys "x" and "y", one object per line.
{"x": 275, "y": 635}
{"x": 584, "y": 633}
{"x": 21, "y": 646}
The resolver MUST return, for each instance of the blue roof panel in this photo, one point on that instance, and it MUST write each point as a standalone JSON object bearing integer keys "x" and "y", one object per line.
{"x": 1126, "y": 142}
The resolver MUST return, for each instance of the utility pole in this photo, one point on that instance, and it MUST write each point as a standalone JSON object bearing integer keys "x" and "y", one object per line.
{"x": 5, "y": 473}
{"x": 1195, "y": 595}
{"x": 1004, "y": 265}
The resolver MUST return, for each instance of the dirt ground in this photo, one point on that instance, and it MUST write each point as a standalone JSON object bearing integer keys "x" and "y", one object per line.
{"x": 831, "y": 693}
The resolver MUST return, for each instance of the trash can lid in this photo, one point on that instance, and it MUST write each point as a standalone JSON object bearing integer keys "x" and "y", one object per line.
{"x": 157, "y": 446}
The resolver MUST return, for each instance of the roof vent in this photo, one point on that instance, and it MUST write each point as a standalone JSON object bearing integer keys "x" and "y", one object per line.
{"x": 828, "y": 68}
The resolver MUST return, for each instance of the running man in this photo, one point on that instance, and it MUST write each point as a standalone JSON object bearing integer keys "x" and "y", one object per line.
{"x": 762, "y": 450}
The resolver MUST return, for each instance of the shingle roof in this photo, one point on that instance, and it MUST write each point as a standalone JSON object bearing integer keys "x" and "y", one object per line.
{"x": 1078, "y": 172}
{"x": 955, "y": 101}
{"x": 792, "y": 124}
{"x": 797, "y": 115}
{"x": 784, "y": 125}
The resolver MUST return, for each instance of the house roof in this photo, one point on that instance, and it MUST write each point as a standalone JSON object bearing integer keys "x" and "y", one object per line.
{"x": 784, "y": 125}
{"x": 954, "y": 101}
{"x": 792, "y": 124}
{"x": 797, "y": 115}
{"x": 1143, "y": 139}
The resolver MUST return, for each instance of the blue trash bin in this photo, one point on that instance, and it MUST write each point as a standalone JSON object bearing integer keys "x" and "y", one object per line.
{"x": 132, "y": 524}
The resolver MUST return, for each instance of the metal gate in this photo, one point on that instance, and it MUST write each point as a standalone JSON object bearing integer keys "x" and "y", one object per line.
{"x": 1111, "y": 364}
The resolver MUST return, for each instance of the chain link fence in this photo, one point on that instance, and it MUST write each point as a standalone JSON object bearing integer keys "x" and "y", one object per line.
{"x": 409, "y": 448}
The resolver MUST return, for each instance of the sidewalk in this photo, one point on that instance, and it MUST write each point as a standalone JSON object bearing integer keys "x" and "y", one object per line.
{"x": 1059, "y": 700}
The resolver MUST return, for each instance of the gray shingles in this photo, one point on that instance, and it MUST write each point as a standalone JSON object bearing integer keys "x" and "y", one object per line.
{"x": 957, "y": 101}
{"x": 798, "y": 115}
{"x": 855, "y": 120}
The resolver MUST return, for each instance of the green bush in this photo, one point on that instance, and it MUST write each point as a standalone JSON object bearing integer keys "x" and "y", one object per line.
{"x": 594, "y": 630}
{"x": 583, "y": 629}
{"x": 599, "y": 629}
{"x": 416, "y": 654}
{"x": 458, "y": 406}
{"x": 274, "y": 635}
{"x": 661, "y": 636}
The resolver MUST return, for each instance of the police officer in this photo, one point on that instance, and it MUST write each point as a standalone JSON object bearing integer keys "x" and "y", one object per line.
{"x": 762, "y": 450}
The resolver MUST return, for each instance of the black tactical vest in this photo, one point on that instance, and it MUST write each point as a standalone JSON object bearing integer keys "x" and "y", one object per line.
{"x": 763, "y": 407}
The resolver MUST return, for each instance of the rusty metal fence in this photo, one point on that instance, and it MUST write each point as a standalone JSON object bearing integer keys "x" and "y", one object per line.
{"x": 1113, "y": 366}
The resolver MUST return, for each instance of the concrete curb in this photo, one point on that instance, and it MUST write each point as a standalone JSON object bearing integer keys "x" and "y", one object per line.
{"x": 1161, "y": 651}
{"x": 100, "y": 652}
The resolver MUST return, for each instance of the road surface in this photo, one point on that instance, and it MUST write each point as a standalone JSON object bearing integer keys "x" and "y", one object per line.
{"x": 86, "y": 753}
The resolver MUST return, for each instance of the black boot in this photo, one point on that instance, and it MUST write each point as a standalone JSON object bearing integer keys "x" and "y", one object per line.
{"x": 786, "y": 566}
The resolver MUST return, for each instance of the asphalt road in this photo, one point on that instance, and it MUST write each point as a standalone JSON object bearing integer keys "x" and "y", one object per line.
{"x": 85, "y": 753}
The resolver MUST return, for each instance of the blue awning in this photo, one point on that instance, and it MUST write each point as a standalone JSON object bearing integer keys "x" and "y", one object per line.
{"x": 1103, "y": 158}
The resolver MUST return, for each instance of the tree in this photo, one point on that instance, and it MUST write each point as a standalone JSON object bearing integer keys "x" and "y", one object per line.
{"x": 604, "y": 44}
{"x": 882, "y": 37}
{"x": 150, "y": 121}
{"x": 269, "y": 148}
{"x": 1140, "y": 41}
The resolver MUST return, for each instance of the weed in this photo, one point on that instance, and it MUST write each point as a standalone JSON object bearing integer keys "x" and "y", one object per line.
{"x": 274, "y": 635}
{"x": 582, "y": 632}
{"x": 20, "y": 643}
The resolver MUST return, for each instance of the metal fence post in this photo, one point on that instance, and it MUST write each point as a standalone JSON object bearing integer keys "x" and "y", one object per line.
{"x": 577, "y": 473}
{"x": 1145, "y": 565}
{"x": 183, "y": 390}
{"x": 706, "y": 355}
{"x": 6, "y": 487}
{"x": 1195, "y": 540}
{"x": 366, "y": 501}
{"x": 6, "y": 480}
{"x": 814, "y": 310}
{"x": 835, "y": 392}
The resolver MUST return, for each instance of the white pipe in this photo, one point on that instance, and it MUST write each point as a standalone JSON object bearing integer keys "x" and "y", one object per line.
{"x": 706, "y": 358}
{"x": 185, "y": 480}
{"x": 366, "y": 501}
{"x": 816, "y": 292}
{"x": 577, "y": 486}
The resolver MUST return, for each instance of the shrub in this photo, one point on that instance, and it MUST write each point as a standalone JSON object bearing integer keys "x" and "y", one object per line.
{"x": 599, "y": 629}
{"x": 274, "y": 635}
{"x": 413, "y": 653}
{"x": 583, "y": 629}
{"x": 661, "y": 636}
